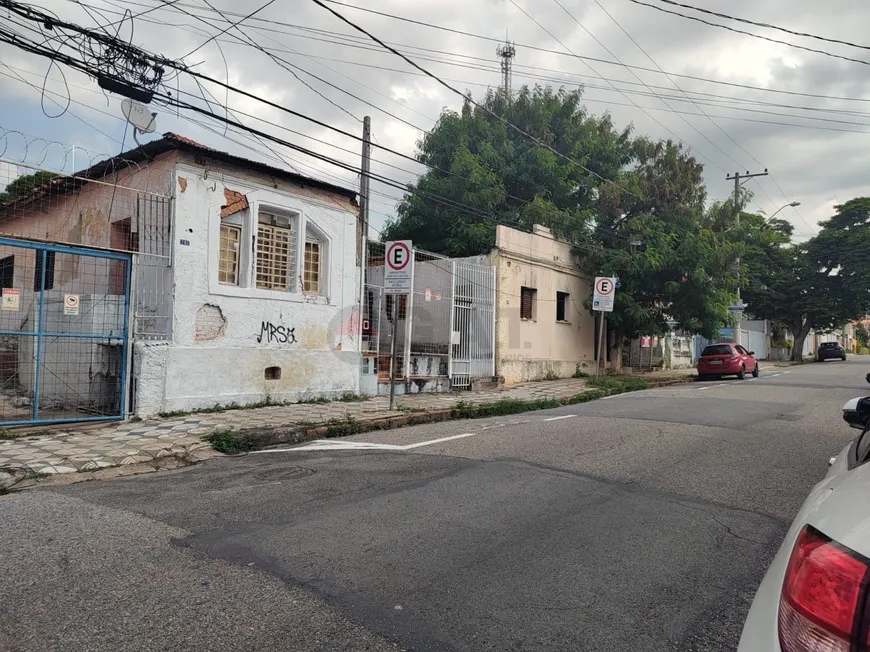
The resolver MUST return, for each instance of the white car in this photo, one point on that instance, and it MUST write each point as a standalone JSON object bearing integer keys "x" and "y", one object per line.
{"x": 814, "y": 597}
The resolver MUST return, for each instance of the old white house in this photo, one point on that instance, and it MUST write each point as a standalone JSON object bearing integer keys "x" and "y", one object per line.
{"x": 244, "y": 285}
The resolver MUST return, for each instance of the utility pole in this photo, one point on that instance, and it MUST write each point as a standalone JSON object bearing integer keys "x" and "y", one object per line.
{"x": 506, "y": 53}
{"x": 737, "y": 177}
{"x": 364, "y": 183}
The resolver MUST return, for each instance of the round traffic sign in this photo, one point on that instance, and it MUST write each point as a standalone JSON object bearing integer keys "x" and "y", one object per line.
{"x": 605, "y": 286}
{"x": 71, "y": 300}
{"x": 398, "y": 255}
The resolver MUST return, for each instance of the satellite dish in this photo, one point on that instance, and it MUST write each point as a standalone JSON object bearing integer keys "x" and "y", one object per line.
{"x": 139, "y": 116}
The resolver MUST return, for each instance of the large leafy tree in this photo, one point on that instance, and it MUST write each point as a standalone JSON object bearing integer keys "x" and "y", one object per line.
{"x": 820, "y": 284}
{"x": 671, "y": 256}
{"x": 24, "y": 184}
{"x": 490, "y": 173}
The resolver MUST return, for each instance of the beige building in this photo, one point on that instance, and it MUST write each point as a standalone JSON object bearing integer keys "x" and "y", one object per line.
{"x": 542, "y": 327}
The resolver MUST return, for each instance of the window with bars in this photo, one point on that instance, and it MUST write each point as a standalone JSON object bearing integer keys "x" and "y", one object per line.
{"x": 528, "y": 299}
{"x": 312, "y": 272}
{"x": 276, "y": 252}
{"x": 228, "y": 261}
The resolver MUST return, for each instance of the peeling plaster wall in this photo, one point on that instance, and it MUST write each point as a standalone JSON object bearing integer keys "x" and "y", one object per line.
{"x": 530, "y": 349}
{"x": 224, "y": 337}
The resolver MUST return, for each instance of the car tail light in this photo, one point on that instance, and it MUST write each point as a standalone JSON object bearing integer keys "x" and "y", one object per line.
{"x": 734, "y": 358}
{"x": 824, "y": 597}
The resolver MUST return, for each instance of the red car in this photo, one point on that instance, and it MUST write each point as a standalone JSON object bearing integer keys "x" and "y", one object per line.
{"x": 719, "y": 360}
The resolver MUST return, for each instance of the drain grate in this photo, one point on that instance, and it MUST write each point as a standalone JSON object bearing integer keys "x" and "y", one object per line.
{"x": 284, "y": 473}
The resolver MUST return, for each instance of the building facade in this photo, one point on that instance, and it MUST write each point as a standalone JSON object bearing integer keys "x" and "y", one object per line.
{"x": 543, "y": 329}
{"x": 243, "y": 281}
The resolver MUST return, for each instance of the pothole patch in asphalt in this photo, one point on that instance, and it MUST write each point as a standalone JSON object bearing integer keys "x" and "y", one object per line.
{"x": 283, "y": 473}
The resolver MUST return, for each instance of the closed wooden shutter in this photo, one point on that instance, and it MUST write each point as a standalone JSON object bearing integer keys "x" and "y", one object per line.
{"x": 527, "y": 297}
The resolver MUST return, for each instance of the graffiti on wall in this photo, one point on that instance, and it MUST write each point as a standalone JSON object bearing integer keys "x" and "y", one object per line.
{"x": 276, "y": 334}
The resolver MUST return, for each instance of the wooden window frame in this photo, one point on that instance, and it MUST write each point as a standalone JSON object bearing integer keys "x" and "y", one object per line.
{"x": 312, "y": 270}
{"x": 224, "y": 251}
{"x": 528, "y": 301}
{"x": 562, "y": 299}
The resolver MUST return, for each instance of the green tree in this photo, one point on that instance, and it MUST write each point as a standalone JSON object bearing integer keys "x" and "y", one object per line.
{"x": 820, "y": 284}
{"x": 501, "y": 176}
{"x": 671, "y": 256}
{"x": 25, "y": 184}
{"x": 863, "y": 336}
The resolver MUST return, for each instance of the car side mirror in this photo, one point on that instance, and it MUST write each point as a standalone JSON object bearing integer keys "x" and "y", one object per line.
{"x": 752, "y": 353}
{"x": 856, "y": 412}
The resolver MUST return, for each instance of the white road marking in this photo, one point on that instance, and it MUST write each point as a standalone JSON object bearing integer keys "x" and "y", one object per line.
{"x": 438, "y": 441}
{"x": 702, "y": 389}
{"x": 567, "y": 416}
{"x": 334, "y": 445}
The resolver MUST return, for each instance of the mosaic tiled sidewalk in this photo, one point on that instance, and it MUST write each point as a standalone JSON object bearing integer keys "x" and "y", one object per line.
{"x": 84, "y": 448}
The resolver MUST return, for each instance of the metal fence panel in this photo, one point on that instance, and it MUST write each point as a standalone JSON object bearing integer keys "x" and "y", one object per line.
{"x": 63, "y": 333}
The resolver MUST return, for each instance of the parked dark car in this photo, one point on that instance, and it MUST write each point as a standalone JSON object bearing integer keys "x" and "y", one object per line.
{"x": 719, "y": 360}
{"x": 830, "y": 351}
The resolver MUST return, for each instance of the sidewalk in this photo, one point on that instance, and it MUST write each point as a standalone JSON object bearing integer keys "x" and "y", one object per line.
{"x": 90, "y": 447}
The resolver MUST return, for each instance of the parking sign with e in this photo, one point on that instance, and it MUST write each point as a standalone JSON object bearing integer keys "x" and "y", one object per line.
{"x": 399, "y": 268}
{"x": 604, "y": 291}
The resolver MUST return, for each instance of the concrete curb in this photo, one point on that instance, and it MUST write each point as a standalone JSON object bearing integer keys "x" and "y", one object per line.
{"x": 259, "y": 438}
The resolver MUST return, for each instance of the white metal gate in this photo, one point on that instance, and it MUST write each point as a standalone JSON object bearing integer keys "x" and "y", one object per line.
{"x": 472, "y": 351}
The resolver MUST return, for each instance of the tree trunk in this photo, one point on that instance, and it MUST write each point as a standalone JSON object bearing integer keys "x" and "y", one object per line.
{"x": 799, "y": 331}
{"x": 616, "y": 350}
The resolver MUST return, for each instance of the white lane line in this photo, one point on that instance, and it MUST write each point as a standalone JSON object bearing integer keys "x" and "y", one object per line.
{"x": 437, "y": 441}
{"x": 703, "y": 389}
{"x": 567, "y": 416}
{"x": 333, "y": 445}
{"x": 785, "y": 372}
{"x": 749, "y": 380}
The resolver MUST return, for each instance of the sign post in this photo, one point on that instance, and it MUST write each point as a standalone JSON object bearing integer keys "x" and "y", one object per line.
{"x": 602, "y": 301}
{"x": 397, "y": 282}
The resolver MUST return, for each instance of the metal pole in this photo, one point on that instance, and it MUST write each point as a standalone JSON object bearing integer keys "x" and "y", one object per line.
{"x": 395, "y": 312}
{"x": 600, "y": 337}
{"x": 364, "y": 183}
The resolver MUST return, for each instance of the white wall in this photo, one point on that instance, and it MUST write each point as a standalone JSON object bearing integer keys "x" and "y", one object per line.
{"x": 226, "y": 363}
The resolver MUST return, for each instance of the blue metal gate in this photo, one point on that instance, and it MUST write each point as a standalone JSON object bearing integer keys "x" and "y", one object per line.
{"x": 64, "y": 316}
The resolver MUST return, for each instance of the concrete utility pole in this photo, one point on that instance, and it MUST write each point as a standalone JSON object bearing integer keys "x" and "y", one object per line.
{"x": 737, "y": 183}
{"x": 364, "y": 183}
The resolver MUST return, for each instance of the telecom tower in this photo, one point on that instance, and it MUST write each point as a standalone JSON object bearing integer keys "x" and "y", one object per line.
{"x": 506, "y": 53}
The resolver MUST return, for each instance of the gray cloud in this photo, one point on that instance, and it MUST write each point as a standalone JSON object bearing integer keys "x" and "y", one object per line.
{"x": 813, "y": 166}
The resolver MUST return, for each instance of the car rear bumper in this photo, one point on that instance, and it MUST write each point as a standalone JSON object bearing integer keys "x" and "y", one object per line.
{"x": 718, "y": 369}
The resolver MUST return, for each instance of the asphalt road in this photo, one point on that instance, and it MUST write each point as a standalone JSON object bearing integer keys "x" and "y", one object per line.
{"x": 644, "y": 521}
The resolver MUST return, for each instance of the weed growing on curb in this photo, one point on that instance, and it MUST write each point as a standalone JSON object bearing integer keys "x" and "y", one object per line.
{"x": 224, "y": 440}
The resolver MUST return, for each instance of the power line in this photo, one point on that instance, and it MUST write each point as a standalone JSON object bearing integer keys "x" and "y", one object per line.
{"x": 549, "y": 51}
{"x": 355, "y": 44}
{"x": 471, "y": 101}
{"x": 515, "y": 4}
{"x": 758, "y": 36}
{"x": 768, "y": 25}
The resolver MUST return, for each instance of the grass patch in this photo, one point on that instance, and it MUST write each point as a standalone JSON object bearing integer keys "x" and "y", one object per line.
{"x": 320, "y": 400}
{"x": 225, "y": 440}
{"x": 350, "y": 397}
{"x": 466, "y": 410}
{"x": 579, "y": 374}
{"x": 550, "y": 375}
{"x": 344, "y": 427}
{"x": 617, "y": 384}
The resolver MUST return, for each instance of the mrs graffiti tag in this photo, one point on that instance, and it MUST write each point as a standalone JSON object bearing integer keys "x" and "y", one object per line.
{"x": 276, "y": 334}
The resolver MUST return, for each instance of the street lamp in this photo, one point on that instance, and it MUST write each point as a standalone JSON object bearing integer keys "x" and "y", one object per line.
{"x": 791, "y": 205}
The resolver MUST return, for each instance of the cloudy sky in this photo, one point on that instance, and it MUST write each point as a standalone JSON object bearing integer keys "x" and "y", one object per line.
{"x": 811, "y": 138}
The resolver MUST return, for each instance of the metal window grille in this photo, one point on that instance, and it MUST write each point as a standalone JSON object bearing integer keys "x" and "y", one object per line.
{"x": 228, "y": 262}
{"x": 311, "y": 278}
{"x": 562, "y": 306}
{"x": 274, "y": 256}
{"x": 527, "y": 302}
